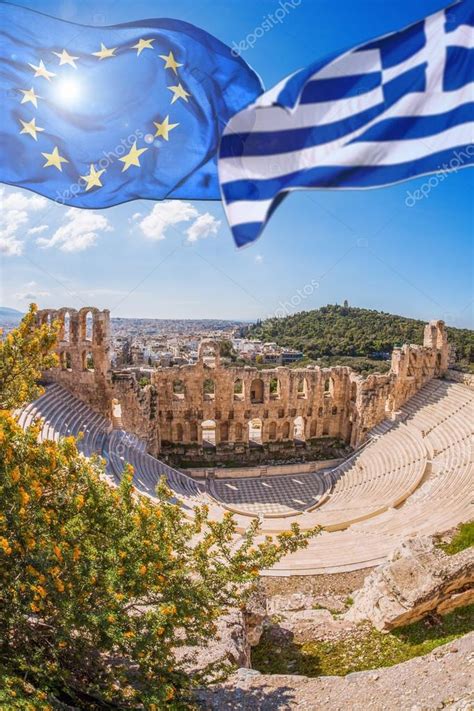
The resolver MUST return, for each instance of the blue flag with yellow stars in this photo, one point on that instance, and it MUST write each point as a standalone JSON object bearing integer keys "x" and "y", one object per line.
{"x": 96, "y": 116}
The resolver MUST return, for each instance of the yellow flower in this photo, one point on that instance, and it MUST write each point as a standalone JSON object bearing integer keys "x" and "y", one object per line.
{"x": 30, "y": 543}
{"x": 79, "y": 501}
{"x": 111, "y": 619}
{"x": 15, "y": 475}
{"x": 40, "y": 590}
{"x": 129, "y": 634}
{"x": 34, "y": 607}
{"x": 76, "y": 554}
{"x": 57, "y": 552}
{"x": 143, "y": 569}
{"x": 59, "y": 585}
{"x": 170, "y": 695}
{"x": 24, "y": 496}
{"x": 5, "y": 546}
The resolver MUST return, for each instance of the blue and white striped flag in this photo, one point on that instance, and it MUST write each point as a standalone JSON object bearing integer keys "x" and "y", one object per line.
{"x": 398, "y": 107}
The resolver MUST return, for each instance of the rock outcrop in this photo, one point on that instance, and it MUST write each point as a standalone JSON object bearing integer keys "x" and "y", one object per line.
{"x": 439, "y": 680}
{"x": 417, "y": 579}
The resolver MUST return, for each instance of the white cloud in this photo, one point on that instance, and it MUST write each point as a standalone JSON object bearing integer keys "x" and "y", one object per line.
{"x": 79, "y": 232}
{"x": 31, "y": 292}
{"x": 202, "y": 227}
{"x": 38, "y": 230}
{"x": 167, "y": 215}
{"x": 164, "y": 215}
{"x": 15, "y": 215}
{"x": 258, "y": 258}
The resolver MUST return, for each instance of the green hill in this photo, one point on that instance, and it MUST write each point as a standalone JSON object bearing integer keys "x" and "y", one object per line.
{"x": 334, "y": 334}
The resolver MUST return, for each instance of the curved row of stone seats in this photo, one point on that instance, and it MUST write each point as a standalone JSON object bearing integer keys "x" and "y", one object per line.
{"x": 441, "y": 502}
{"x": 61, "y": 415}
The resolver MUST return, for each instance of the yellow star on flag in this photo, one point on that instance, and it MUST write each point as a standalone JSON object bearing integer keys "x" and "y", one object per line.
{"x": 66, "y": 58}
{"x": 179, "y": 92}
{"x": 104, "y": 52}
{"x": 170, "y": 62}
{"x": 30, "y": 128}
{"x": 41, "y": 71}
{"x": 29, "y": 96}
{"x": 163, "y": 128}
{"x": 142, "y": 44}
{"x": 132, "y": 157}
{"x": 93, "y": 178}
{"x": 54, "y": 159}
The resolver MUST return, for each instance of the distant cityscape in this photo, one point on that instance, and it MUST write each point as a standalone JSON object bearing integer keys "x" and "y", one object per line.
{"x": 163, "y": 342}
{"x": 154, "y": 343}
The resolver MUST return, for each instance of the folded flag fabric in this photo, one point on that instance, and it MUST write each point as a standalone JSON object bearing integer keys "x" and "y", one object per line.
{"x": 95, "y": 116}
{"x": 396, "y": 108}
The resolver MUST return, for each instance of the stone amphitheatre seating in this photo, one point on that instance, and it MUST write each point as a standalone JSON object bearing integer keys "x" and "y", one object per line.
{"x": 414, "y": 476}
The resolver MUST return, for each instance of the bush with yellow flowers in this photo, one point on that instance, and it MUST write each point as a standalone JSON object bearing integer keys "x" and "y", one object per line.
{"x": 100, "y": 587}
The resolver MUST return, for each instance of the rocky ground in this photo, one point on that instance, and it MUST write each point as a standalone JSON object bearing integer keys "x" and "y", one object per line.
{"x": 442, "y": 679}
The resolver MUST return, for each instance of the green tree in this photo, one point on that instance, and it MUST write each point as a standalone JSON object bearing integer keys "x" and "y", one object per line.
{"x": 99, "y": 587}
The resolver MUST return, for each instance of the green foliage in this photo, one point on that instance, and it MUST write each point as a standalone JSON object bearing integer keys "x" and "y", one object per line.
{"x": 100, "y": 587}
{"x": 462, "y": 539}
{"x": 347, "y": 331}
{"x": 143, "y": 382}
{"x": 24, "y": 353}
{"x": 366, "y": 648}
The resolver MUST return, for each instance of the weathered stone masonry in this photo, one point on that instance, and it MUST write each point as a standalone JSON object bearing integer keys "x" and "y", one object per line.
{"x": 221, "y": 410}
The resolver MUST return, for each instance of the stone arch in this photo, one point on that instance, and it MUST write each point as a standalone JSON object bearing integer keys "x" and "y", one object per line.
{"x": 68, "y": 360}
{"x": 65, "y": 330}
{"x": 179, "y": 389}
{"x": 239, "y": 389}
{"x": 313, "y": 428}
{"x": 320, "y": 411}
{"x": 224, "y": 432}
{"x": 285, "y": 430}
{"x": 208, "y": 428}
{"x": 209, "y": 389}
{"x": 255, "y": 426}
{"x": 275, "y": 389}
{"x": 209, "y": 353}
{"x": 272, "y": 431}
{"x": 87, "y": 321}
{"x": 302, "y": 389}
{"x": 329, "y": 387}
{"x": 193, "y": 432}
{"x": 238, "y": 432}
{"x": 257, "y": 391}
{"x": 179, "y": 432}
{"x": 116, "y": 414}
{"x": 87, "y": 360}
{"x": 299, "y": 428}
{"x": 334, "y": 410}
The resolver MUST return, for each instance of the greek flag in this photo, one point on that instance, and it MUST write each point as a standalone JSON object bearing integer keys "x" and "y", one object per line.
{"x": 396, "y": 108}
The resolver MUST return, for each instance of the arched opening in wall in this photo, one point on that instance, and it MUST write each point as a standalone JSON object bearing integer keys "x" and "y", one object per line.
{"x": 224, "y": 432}
{"x": 328, "y": 387}
{"x": 68, "y": 360}
{"x": 193, "y": 432}
{"x": 179, "y": 432}
{"x": 87, "y": 326}
{"x": 353, "y": 392}
{"x": 209, "y": 433}
{"x": 238, "y": 432}
{"x": 313, "y": 429}
{"x": 326, "y": 429}
{"x": 438, "y": 362}
{"x": 302, "y": 389}
{"x": 320, "y": 411}
{"x": 256, "y": 391}
{"x": 298, "y": 429}
{"x": 239, "y": 393}
{"x": 255, "y": 430}
{"x": 334, "y": 410}
{"x": 272, "y": 431}
{"x": 65, "y": 331}
{"x": 209, "y": 353}
{"x": 275, "y": 389}
{"x": 62, "y": 360}
{"x": 208, "y": 389}
{"x": 178, "y": 390}
{"x": 88, "y": 361}
{"x": 285, "y": 431}
{"x": 116, "y": 414}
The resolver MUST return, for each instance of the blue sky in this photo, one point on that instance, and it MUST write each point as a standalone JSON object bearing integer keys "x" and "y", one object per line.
{"x": 319, "y": 247}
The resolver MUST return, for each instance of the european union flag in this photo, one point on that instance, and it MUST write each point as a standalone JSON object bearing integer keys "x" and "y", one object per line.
{"x": 95, "y": 116}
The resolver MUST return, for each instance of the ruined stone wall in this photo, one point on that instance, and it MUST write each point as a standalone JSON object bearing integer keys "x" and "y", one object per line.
{"x": 209, "y": 411}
